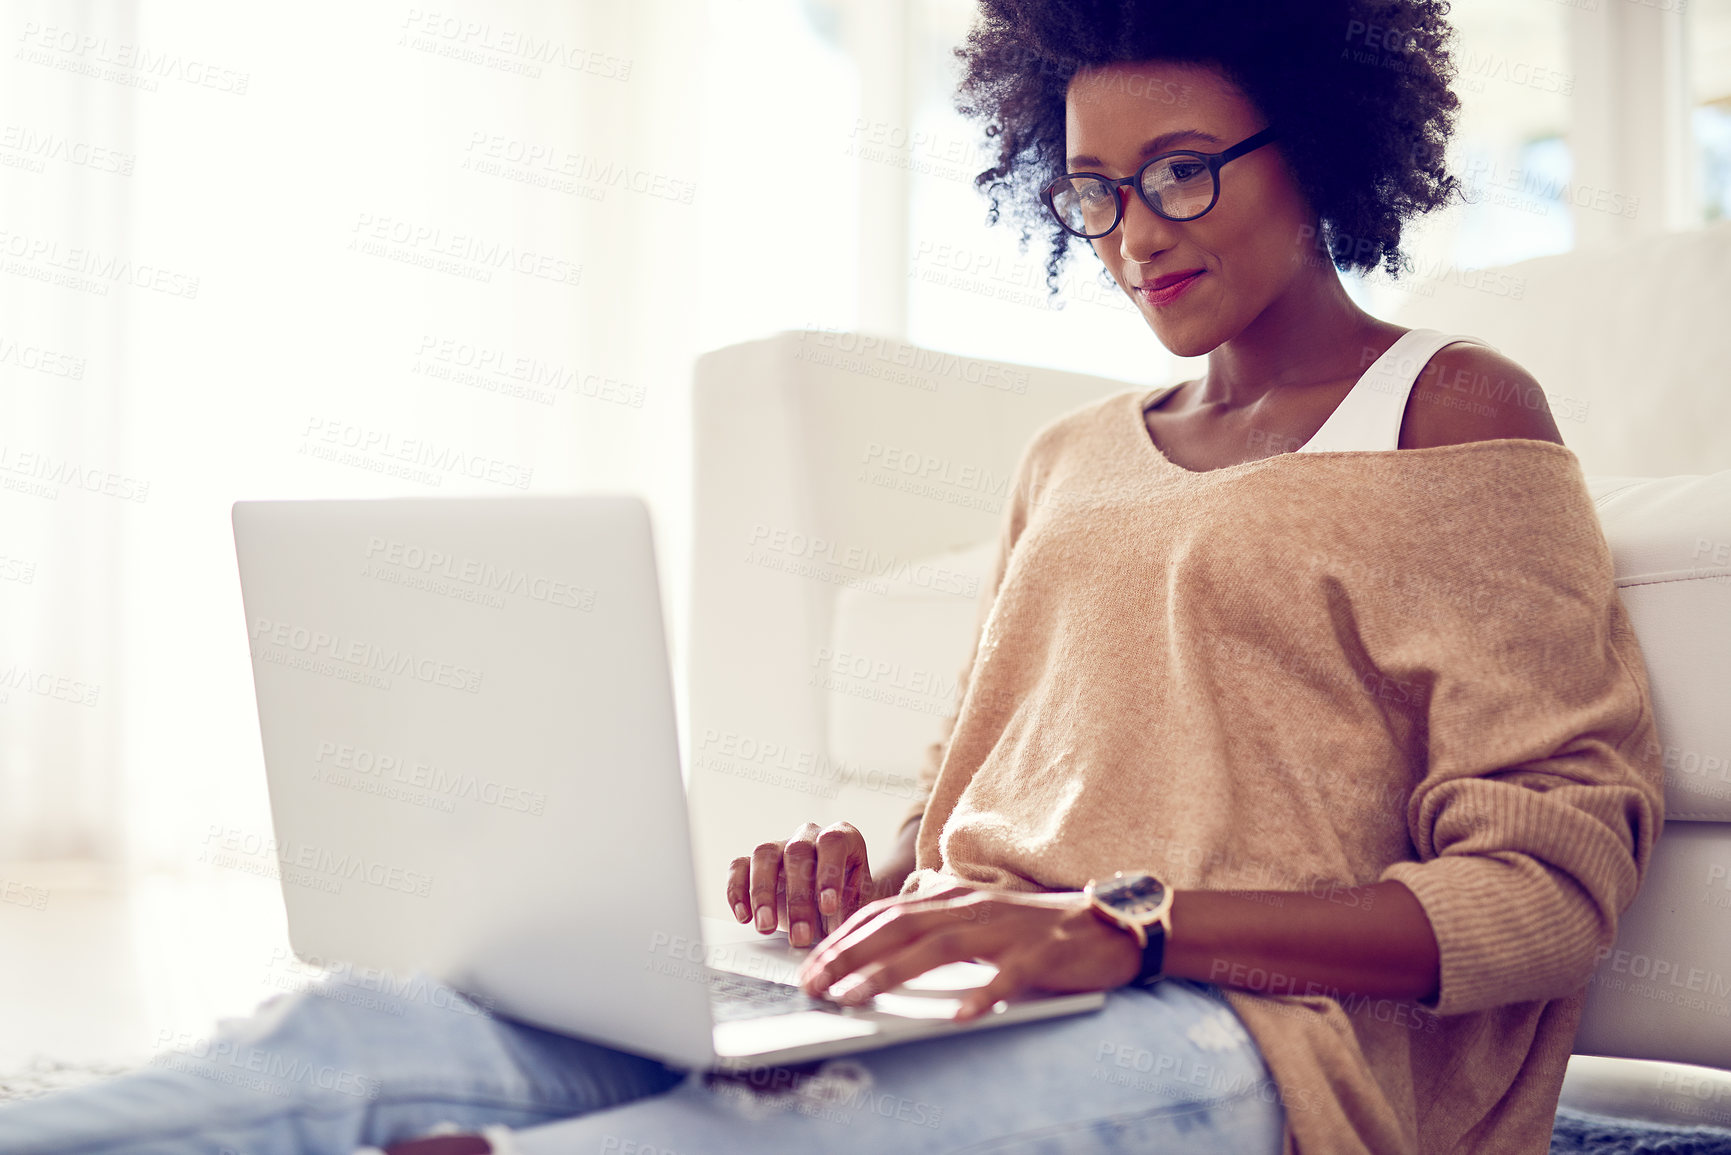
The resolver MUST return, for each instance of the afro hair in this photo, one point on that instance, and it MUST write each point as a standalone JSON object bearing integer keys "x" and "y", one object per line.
{"x": 1358, "y": 90}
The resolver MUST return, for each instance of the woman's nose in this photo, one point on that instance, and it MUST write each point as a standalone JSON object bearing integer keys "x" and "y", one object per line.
{"x": 1143, "y": 233}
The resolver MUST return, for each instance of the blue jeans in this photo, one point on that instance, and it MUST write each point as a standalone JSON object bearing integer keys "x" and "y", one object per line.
{"x": 340, "y": 1066}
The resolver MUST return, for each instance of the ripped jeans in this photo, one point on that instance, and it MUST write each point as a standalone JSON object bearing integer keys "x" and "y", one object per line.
{"x": 336, "y": 1068}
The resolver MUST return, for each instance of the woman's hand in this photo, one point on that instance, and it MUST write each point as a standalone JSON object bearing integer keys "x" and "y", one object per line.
{"x": 817, "y": 878}
{"x": 1048, "y": 942}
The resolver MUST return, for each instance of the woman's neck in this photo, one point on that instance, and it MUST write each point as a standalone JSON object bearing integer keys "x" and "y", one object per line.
{"x": 1311, "y": 333}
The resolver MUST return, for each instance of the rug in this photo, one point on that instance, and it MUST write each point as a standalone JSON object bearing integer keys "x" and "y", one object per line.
{"x": 1578, "y": 1133}
{"x": 41, "y": 1075}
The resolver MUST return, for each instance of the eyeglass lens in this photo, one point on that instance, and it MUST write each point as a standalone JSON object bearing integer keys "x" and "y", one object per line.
{"x": 1181, "y": 187}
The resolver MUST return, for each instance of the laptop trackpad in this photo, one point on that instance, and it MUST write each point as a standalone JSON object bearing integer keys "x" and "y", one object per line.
{"x": 783, "y": 1032}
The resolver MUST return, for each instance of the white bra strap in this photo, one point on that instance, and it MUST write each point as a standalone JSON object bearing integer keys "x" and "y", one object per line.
{"x": 1369, "y": 417}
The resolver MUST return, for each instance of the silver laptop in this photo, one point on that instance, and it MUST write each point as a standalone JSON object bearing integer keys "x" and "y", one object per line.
{"x": 468, "y": 729}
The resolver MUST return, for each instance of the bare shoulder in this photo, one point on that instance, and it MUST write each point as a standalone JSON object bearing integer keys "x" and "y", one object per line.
{"x": 1471, "y": 393}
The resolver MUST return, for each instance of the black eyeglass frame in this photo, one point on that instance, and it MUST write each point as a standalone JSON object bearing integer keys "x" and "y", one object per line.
{"x": 1212, "y": 159}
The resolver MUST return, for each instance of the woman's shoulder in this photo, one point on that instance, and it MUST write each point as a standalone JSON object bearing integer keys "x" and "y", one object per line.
{"x": 1469, "y": 392}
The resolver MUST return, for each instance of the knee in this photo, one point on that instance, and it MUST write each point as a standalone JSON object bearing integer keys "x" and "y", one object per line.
{"x": 397, "y": 997}
{"x": 345, "y": 1007}
{"x": 339, "y": 1038}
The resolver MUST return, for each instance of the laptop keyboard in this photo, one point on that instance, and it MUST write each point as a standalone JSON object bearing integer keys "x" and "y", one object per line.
{"x": 736, "y": 996}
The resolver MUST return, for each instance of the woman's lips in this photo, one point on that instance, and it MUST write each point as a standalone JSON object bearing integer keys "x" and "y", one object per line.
{"x": 1171, "y": 292}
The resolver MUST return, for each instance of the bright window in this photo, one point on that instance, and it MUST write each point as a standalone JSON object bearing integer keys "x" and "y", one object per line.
{"x": 1708, "y": 39}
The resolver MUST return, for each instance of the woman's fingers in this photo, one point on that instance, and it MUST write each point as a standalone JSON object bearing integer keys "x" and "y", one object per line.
{"x": 799, "y": 862}
{"x": 738, "y": 889}
{"x": 841, "y": 864}
{"x": 880, "y": 929}
{"x": 1046, "y": 941}
{"x": 1007, "y": 983}
{"x": 869, "y": 907}
{"x": 955, "y": 944}
{"x": 765, "y": 874}
{"x": 856, "y": 890}
{"x": 874, "y": 932}
{"x": 864, "y": 914}
{"x": 813, "y": 881}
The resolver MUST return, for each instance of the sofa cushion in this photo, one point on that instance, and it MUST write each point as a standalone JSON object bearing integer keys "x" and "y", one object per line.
{"x": 1628, "y": 340}
{"x": 1674, "y": 1094}
{"x": 1670, "y": 541}
{"x": 897, "y": 645}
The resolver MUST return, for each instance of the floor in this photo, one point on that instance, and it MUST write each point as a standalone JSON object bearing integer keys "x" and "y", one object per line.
{"x": 95, "y": 972}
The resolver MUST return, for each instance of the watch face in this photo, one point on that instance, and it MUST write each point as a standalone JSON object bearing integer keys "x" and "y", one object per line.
{"x": 1134, "y": 895}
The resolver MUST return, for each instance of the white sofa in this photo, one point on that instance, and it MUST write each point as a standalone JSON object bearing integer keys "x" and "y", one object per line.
{"x": 847, "y": 495}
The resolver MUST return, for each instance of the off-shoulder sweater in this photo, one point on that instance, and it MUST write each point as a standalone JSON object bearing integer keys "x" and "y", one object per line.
{"x": 1315, "y": 671}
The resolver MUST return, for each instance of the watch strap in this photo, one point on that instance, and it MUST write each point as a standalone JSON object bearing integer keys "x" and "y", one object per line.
{"x": 1153, "y": 957}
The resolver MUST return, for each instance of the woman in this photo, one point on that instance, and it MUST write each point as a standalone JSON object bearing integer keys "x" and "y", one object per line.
{"x": 1370, "y": 713}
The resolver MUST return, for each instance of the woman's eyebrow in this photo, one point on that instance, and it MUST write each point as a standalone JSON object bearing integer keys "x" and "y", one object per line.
{"x": 1150, "y": 147}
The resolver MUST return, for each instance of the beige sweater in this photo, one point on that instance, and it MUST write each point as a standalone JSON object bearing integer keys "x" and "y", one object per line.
{"x": 1315, "y": 669}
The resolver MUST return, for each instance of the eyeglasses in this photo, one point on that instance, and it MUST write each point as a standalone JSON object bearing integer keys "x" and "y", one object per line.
{"x": 1179, "y": 186}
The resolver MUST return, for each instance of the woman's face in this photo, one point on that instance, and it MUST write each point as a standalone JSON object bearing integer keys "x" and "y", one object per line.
{"x": 1251, "y": 247}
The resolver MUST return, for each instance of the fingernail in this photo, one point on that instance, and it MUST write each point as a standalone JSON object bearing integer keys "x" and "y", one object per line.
{"x": 828, "y": 901}
{"x": 799, "y": 934}
{"x": 766, "y": 918}
{"x": 742, "y": 912}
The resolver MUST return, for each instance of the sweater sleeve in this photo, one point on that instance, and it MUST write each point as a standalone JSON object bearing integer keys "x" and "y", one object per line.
{"x": 1011, "y": 524}
{"x": 1541, "y": 797}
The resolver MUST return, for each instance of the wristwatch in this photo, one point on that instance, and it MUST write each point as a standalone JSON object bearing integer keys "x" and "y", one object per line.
{"x": 1141, "y": 904}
